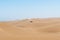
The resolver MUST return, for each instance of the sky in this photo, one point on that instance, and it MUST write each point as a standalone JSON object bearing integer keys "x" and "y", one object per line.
{"x": 21, "y": 9}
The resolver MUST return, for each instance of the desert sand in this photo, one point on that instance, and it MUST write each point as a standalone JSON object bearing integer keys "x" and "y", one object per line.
{"x": 31, "y": 29}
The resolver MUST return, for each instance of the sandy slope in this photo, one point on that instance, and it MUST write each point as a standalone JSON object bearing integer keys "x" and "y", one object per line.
{"x": 31, "y": 29}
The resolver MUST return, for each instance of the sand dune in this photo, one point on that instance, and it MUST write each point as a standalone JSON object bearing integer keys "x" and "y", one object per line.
{"x": 31, "y": 29}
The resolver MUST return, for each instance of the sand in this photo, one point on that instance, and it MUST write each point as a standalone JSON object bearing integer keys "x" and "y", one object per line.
{"x": 31, "y": 29}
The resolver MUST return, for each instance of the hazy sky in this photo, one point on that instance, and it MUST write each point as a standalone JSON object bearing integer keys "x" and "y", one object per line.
{"x": 20, "y": 9}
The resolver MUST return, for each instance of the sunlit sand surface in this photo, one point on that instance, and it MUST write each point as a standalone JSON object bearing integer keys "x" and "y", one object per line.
{"x": 31, "y": 29}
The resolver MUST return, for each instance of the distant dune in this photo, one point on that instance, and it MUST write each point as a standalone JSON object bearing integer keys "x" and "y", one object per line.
{"x": 31, "y": 29}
